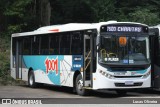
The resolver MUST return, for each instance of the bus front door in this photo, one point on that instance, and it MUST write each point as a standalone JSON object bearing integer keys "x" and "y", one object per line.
{"x": 89, "y": 58}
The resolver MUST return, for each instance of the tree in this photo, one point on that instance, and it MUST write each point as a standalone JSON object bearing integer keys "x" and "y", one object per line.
{"x": 26, "y": 15}
{"x": 17, "y": 14}
{"x": 71, "y": 11}
{"x": 104, "y": 10}
{"x": 143, "y": 11}
{"x": 44, "y": 12}
{"x": 144, "y": 15}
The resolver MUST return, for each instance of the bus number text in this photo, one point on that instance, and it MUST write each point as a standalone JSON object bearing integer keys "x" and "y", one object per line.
{"x": 51, "y": 65}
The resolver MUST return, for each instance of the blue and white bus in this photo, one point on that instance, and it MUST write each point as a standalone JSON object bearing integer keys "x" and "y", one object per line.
{"x": 107, "y": 55}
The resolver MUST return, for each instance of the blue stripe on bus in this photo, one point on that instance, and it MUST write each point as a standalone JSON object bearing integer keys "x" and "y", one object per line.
{"x": 38, "y": 62}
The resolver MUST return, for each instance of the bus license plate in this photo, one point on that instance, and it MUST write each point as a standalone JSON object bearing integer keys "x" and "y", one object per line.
{"x": 129, "y": 83}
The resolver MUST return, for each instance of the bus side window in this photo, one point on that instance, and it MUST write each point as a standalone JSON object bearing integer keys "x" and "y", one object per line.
{"x": 13, "y": 51}
{"x": 26, "y": 46}
{"x": 35, "y": 45}
{"x": 13, "y": 46}
{"x": 77, "y": 44}
{"x": 65, "y": 44}
{"x": 54, "y": 44}
{"x": 158, "y": 46}
{"x": 44, "y": 49}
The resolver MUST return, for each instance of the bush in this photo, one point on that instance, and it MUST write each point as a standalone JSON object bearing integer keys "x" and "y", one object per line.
{"x": 4, "y": 66}
{"x": 5, "y": 75}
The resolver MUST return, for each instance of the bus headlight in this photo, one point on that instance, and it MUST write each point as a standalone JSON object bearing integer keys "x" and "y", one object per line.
{"x": 106, "y": 74}
{"x": 147, "y": 74}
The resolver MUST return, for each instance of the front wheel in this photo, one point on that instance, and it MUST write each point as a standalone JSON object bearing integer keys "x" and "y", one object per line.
{"x": 79, "y": 86}
{"x": 31, "y": 80}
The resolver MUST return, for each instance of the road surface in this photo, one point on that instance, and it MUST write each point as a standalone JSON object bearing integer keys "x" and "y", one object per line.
{"x": 55, "y": 94}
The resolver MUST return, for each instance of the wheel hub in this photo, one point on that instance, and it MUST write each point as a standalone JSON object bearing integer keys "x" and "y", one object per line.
{"x": 80, "y": 84}
{"x": 31, "y": 80}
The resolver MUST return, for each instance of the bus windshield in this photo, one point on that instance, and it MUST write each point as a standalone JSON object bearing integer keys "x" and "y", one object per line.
{"x": 124, "y": 50}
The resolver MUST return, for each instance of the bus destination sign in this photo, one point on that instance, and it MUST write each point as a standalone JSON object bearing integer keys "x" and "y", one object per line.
{"x": 123, "y": 29}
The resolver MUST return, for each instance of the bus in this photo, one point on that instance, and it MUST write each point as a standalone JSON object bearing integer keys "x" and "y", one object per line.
{"x": 86, "y": 56}
{"x": 154, "y": 33}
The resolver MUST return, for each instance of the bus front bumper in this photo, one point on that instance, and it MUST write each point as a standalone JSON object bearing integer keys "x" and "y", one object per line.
{"x": 102, "y": 82}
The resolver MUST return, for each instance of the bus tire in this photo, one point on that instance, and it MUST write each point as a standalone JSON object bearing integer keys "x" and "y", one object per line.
{"x": 79, "y": 86}
{"x": 31, "y": 80}
{"x": 121, "y": 92}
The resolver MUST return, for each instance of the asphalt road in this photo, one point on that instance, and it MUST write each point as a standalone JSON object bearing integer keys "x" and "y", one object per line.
{"x": 65, "y": 95}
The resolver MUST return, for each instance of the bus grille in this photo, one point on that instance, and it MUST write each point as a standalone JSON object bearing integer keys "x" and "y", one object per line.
{"x": 123, "y": 84}
{"x": 127, "y": 68}
{"x": 139, "y": 76}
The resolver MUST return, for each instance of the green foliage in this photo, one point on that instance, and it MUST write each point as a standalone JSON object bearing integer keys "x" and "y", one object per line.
{"x": 17, "y": 8}
{"x": 4, "y": 60}
{"x": 15, "y": 28}
{"x": 71, "y": 11}
{"x": 4, "y": 63}
{"x": 17, "y": 14}
{"x": 104, "y": 9}
{"x": 144, "y": 15}
{"x": 143, "y": 11}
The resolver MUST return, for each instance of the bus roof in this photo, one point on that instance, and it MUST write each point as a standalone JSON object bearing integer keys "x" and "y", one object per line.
{"x": 56, "y": 29}
{"x": 68, "y": 27}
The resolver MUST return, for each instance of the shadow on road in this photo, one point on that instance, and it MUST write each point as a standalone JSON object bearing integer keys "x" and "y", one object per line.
{"x": 100, "y": 94}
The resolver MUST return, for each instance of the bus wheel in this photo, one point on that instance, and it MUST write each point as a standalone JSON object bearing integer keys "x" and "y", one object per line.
{"x": 31, "y": 80}
{"x": 121, "y": 92}
{"x": 79, "y": 86}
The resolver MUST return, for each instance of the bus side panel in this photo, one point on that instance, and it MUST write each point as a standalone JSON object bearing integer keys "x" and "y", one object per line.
{"x": 25, "y": 74}
{"x": 13, "y": 73}
{"x": 52, "y": 69}
{"x": 66, "y": 75}
{"x": 13, "y": 69}
{"x": 45, "y": 68}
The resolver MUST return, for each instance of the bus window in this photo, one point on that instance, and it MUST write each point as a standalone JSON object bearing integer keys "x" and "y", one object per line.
{"x": 54, "y": 44}
{"x": 44, "y": 45}
{"x": 35, "y": 45}
{"x": 158, "y": 46}
{"x": 77, "y": 44}
{"x": 14, "y": 46}
{"x": 13, "y": 51}
{"x": 65, "y": 44}
{"x": 26, "y": 46}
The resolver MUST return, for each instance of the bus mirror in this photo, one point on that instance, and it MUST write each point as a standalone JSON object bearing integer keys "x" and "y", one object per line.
{"x": 98, "y": 43}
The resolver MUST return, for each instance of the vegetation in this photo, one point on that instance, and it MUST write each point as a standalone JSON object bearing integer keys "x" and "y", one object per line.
{"x": 27, "y": 15}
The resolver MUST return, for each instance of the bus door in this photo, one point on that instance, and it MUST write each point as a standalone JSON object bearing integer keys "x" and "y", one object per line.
{"x": 155, "y": 57}
{"x": 18, "y": 59}
{"x": 89, "y": 57}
